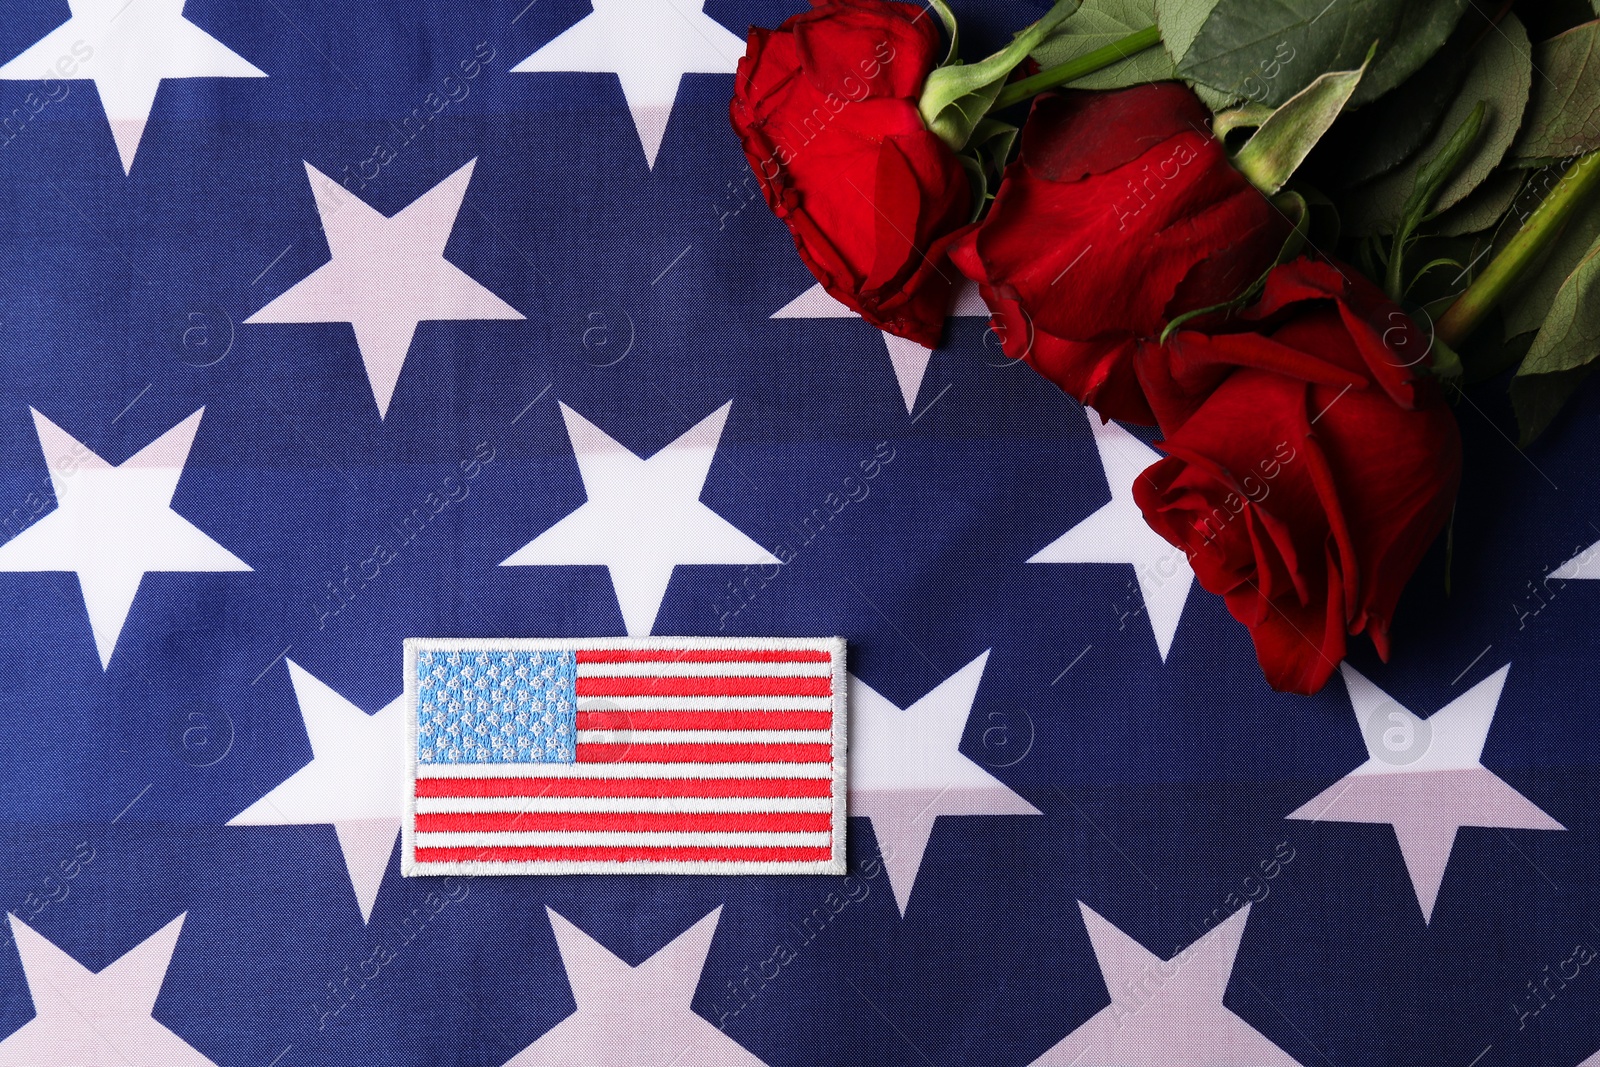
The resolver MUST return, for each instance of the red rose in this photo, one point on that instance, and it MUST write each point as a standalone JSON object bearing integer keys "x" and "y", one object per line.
{"x": 1388, "y": 350}
{"x": 826, "y": 107}
{"x": 1120, "y": 213}
{"x": 1307, "y": 486}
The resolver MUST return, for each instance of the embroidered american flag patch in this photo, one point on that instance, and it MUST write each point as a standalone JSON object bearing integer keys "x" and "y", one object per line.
{"x": 592, "y": 756}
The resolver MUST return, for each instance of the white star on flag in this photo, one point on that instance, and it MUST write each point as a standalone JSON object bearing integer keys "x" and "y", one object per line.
{"x": 113, "y": 525}
{"x": 909, "y": 359}
{"x": 1165, "y": 1012}
{"x": 387, "y": 275}
{"x": 906, "y": 770}
{"x": 643, "y": 517}
{"x": 88, "y": 1019}
{"x": 356, "y": 782}
{"x": 650, "y": 45}
{"x": 1117, "y": 533}
{"x": 634, "y": 1015}
{"x": 1425, "y": 777}
{"x": 1585, "y": 565}
{"x": 127, "y": 48}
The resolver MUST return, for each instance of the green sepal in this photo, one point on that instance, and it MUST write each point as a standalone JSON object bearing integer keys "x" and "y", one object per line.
{"x": 952, "y": 30}
{"x": 961, "y": 116}
{"x": 1239, "y": 118}
{"x": 986, "y": 152}
{"x": 956, "y": 97}
{"x": 980, "y": 184}
{"x": 1288, "y": 135}
{"x": 992, "y": 141}
{"x": 1446, "y": 363}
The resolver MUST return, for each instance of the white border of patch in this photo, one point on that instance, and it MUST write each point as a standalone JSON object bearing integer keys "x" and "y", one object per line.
{"x": 835, "y": 864}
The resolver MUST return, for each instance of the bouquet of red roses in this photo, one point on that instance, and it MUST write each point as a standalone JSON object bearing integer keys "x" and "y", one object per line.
{"x": 1288, "y": 233}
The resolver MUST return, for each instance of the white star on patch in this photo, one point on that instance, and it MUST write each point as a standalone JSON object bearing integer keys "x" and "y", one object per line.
{"x": 127, "y": 48}
{"x": 1117, "y": 533}
{"x": 909, "y": 359}
{"x": 84, "y": 1018}
{"x": 650, "y": 45}
{"x": 356, "y": 782}
{"x": 1425, "y": 777}
{"x": 643, "y": 517}
{"x": 113, "y": 525}
{"x": 386, "y": 276}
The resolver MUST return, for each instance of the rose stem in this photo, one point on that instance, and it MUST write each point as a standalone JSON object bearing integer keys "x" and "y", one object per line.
{"x": 1507, "y": 269}
{"x": 1018, "y": 91}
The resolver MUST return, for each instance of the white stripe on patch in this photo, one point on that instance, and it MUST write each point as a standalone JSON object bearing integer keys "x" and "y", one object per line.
{"x": 470, "y": 805}
{"x": 704, "y": 737}
{"x": 705, "y": 703}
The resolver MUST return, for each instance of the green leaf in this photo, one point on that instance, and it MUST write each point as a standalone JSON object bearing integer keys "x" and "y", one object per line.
{"x": 1268, "y": 50}
{"x": 1564, "y": 118}
{"x": 1180, "y": 22}
{"x": 1565, "y": 350}
{"x": 1284, "y": 140}
{"x": 1528, "y": 305}
{"x": 1483, "y": 207}
{"x": 1215, "y": 99}
{"x": 1539, "y": 399}
{"x": 1501, "y": 73}
{"x": 955, "y": 98}
{"x": 1392, "y": 130}
{"x": 1099, "y": 23}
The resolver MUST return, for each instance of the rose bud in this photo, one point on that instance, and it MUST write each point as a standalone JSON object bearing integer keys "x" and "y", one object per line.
{"x": 1120, "y": 213}
{"x": 1306, "y": 487}
{"x": 826, "y": 107}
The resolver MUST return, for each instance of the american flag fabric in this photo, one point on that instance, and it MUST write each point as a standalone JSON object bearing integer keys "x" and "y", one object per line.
{"x": 328, "y": 325}
{"x": 671, "y": 756}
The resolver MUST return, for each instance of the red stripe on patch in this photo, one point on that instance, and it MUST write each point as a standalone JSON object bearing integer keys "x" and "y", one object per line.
{"x": 625, "y": 821}
{"x": 755, "y": 685}
{"x": 624, "y": 787}
{"x": 712, "y": 753}
{"x": 582, "y": 853}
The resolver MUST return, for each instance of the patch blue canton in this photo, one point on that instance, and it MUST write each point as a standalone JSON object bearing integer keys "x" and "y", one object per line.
{"x": 496, "y": 707}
